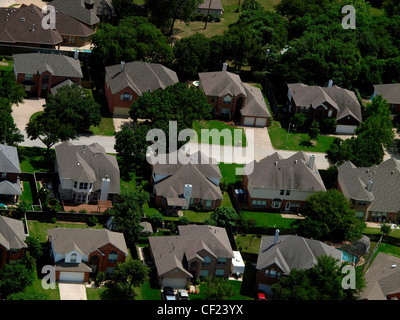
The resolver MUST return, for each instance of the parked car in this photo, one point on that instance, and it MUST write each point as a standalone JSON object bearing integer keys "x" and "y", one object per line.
{"x": 169, "y": 294}
{"x": 261, "y": 295}
{"x": 183, "y": 294}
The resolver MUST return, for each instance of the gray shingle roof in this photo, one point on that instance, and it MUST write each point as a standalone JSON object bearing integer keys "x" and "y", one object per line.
{"x": 390, "y": 92}
{"x": 140, "y": 76}
{"x": 77, "y": 10}
{"x": 169, "y": 252}
{"x": 221, "y": 83}
{"x": 255, "y": 103}
{"x": 385, "y": 179}
{"x": 276, "y": 173}
{"x": 343, "y": 100}
{"x": 196, "y": 173}
{"x": 10, "y": 188}
{"x": 16, "y": 26}
{"x": 85, "y": 240}
{"x": 292, "y": 252}
{"x": 12, "y": 233}
{"x": 9, "y": 160}
{"x": 87, "y": 164}
{"x": 56, "y": 64}
{"x": 215, "y": 5}
{"x": 381, "y": 279}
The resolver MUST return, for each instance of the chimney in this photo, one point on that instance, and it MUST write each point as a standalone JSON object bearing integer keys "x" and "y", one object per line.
{"x": 276, "y": 236}
{"x": 224, "y": 66}
{"x": 187, "y": 193}
{"x": 122, "y": 66}
{"x": 369, "y": 185}
{"x": 105, "y": 186}
{"x": 76, "y": 54}
{"x": 311, "y": 161}
{"x": 330, "y": 84}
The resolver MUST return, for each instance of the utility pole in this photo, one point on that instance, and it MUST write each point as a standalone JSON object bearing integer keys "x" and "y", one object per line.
{"x": 208, "y": 12}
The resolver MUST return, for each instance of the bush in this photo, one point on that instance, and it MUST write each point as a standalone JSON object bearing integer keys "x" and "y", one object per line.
{"x": 328, "y": 125}
{"x": 92, "y": 221}
{"x": 53, "y": 220}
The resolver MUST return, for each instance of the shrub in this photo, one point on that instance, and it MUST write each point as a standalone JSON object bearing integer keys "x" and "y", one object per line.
{"x": 92, "y": 221}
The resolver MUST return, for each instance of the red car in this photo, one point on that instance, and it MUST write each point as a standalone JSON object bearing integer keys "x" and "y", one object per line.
{"x": 261, "y": 296}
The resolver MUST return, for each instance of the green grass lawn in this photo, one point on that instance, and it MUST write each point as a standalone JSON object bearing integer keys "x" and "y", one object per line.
{"x": 228, "y": 172}
{"x": 26, "y": 193}
{"x": 220, "y": 126}
{"x": 393, "y": 233}
{"x": 239, "y": 293}
{"x": 36, "y": 287}
{"x": 35, "y": 159}
{"x": 248, "y": 243}
{"x": 226, "y": 200}
{"x": 269, "y": 220}
{"x": 106, "y": 126}
{"x": 6, "y": 65}
{"x": 296, "y": 141}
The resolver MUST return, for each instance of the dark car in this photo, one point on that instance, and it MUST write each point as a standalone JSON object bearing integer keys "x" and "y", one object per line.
{"x": 168, "y": 293}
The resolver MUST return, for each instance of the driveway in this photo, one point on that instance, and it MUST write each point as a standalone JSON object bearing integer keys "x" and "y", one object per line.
{"x": 23, "y": 111}
{"x": 72, "y": 291}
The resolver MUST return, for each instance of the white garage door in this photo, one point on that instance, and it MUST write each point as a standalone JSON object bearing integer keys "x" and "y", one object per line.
{"x": 266, "y": 288}
{"x": 72, "y": 276}
{"x": 261, "y": 122}
{"x": 176, "y": 283}
{"x": 248, "y": 121}
{"x": 345, "y": 129}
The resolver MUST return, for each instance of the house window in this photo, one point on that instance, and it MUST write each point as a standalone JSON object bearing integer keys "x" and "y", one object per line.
{"x": 213, "y": 99}
{"x": 204, "y": 273}
{"x": 3, "y": 175}
{"x": 221, "y": 261}
{"x": 288, "y": 192}
{"x": 225, "y": 111}
{"x": 330, "y": 112}
{"x": 126, "y": 97}
{"x": 272, "y": 273}
{"x": 13, "y": 251}
{"x": 208, "y": 204}
{"x": 227, "y": 100}
{"x": 282, "y": 192}
{"x": 75, "y": 184}
{"x": 219, "y": 272}
{"x": 109, "y": 270}
{"x": 73, "y": 258}
{"x": 362, "y": 203}
{"x": 112, "y": 257}
{"x": 206, "y": 261}
{"x": 29, "y": 77}
{"x": 276, "y": 204}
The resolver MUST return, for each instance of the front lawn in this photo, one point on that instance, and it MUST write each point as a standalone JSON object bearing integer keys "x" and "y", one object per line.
{"x": 238, "y": 294}
{"x": 223, "y": 129}
{"x": 296, "y": 141}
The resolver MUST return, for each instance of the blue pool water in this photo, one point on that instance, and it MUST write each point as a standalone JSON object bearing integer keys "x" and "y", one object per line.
{"x": 349, "y": 257}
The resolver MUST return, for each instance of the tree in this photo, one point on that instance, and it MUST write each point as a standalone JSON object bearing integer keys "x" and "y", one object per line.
{"x": 156, "y": 219}
{"x": 313, "y": 131}
{"x": 129, "y": 274}
{"x": 217, "y": 289}
{"x": 9, "y": 89}
{"x": 133, "y": 39}
{"x": 74, "y": 107}
{"x": 225, "y": 217}
{"x": 14, "y": 278}
{"x": 321, "y": 282}
{"x": 9, "y": 133}
{"x": 127, "y": 212}
{"x": 49, "y": 130}
{"x": 192, "y": 54}
{"x": 328, "y": 216}
{"x": 386, "y": 228}
{"x": 165, "y": 13}
{"x": 34, "y": 247}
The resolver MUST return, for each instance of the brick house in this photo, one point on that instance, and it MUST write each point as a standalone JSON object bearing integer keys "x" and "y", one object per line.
{"x": 373, "y": 191}
{"x": 391, "y": 93}
{"x": 279, "y": 254}
{"x": 233, "y": 99}
{"x": 125, "y": 82}
{"x": 199, "y": 251}
{"x": 277, "y": 184}
{"x": 10, "y": 186}
{"x": 319, "y": 103}
{"x": 179, "y": 186}
{"x": 12, "y": 240}
{"x": 80, "y": 253}
{"x": 38, "y": 73}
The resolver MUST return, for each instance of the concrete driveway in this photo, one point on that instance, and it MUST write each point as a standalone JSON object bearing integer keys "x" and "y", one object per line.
{"x": 72, "y": 291}
{"x": 23, "y": 111}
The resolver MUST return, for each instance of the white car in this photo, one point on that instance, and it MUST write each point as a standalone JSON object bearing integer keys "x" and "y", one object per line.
{"x": 183, "y": 294}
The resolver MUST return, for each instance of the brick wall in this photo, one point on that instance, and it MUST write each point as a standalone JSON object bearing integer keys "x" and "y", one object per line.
{"x": 114, "y": 100}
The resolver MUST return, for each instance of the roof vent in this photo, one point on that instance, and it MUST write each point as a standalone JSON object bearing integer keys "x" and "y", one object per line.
{"x": 23, "y": 19}
{"x": 276, "y": 163}
{"x": 369, "y": 185}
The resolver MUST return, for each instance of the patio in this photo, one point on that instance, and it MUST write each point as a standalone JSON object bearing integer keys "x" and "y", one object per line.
{"x": 98, "y": 207}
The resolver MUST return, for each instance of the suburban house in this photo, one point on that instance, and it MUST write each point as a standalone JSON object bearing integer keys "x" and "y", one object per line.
{"x": 38, "y": 73}
{"x": 233, "y": 99}
{"x": 278, "y": 184}
{"x": 125, "y": 82}
{"x": 87, "y": 174}
{"x": 321, "y": 103}
{"x": 391, "y": 93}
{"x": 372, "y": 191}
{"x": 89, "y": 12}
{"x": 178, "y": 186}
{"x": 12, "y": 240}
{"x": 382, "y": 279}
{"x": 80, "y": 253}
{"x": 210, "y": 8}
{"x": 10, "y": 186}
{"x": 199, "y": 251}
{"x": 23, "y": 27}
{"x": 280, "y": 254}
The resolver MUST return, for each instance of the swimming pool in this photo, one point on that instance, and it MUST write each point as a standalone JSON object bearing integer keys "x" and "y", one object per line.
{"x": 348, "y": 257}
